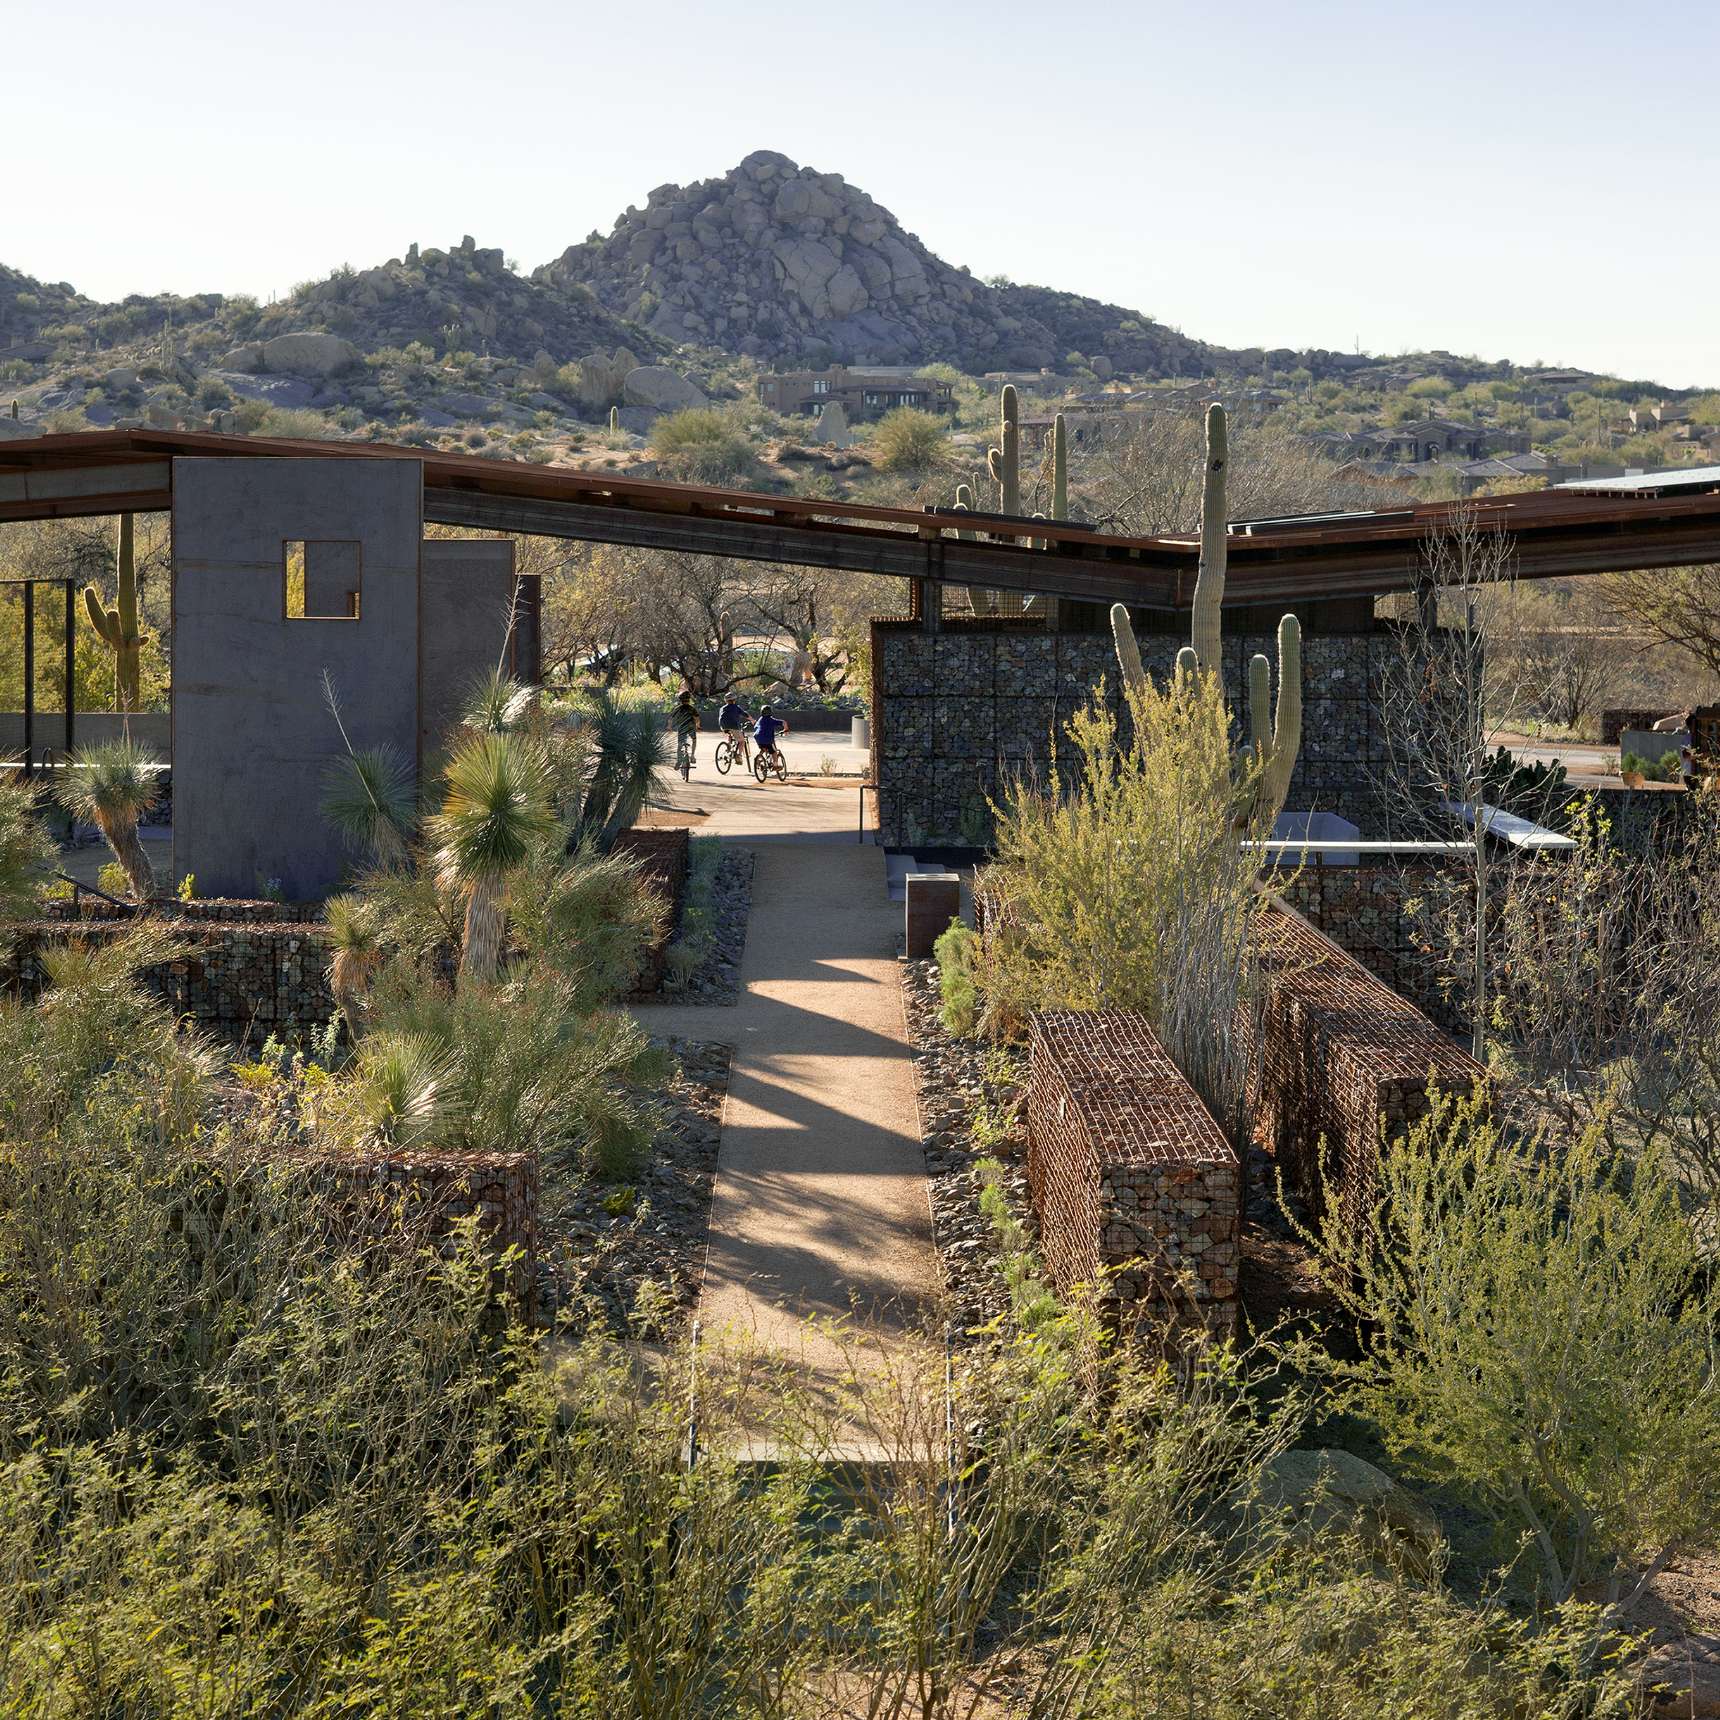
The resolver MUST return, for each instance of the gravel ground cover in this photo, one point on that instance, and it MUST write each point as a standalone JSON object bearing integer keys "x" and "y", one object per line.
{"x": 636, "y": 1250}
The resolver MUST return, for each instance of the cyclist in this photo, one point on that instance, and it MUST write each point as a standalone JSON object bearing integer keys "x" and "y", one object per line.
{"x": 685, "y": 719}
{"x": 733, "y": 720}
{"x": 765, "y": 731}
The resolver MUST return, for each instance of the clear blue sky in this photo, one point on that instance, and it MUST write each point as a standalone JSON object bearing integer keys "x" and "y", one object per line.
{"x": 1527, "y": 181}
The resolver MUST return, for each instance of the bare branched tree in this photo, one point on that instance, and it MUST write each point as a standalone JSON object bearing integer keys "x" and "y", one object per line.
{"x": 1608, "y": 994}
{"x": 1143, "y": 475}
{"x": 1436, "y": 782}
{"x": 1675, "y": 606}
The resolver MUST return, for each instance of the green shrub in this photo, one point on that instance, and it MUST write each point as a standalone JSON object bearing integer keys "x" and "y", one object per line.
{"x": 1120, "y": 882}
{"x": 27, "y": 851}
{"x": 956, "y": 952}
{"x": 692, "y": 427}
{"x": 908, "y": 440}
{"x": 1544, "y": 1341}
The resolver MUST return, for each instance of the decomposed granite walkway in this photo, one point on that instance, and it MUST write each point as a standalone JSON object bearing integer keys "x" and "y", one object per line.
{"x": 820, "y": 1204}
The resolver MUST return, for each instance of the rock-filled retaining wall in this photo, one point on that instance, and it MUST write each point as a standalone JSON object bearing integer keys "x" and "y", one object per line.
{"x": 958, "y": 713}
{"x": 241, "y": 982}
{"x": 426, "y": 1197}
{"x": 1369, "y": 911}
{"x": 1341, "y": 1057}
{"x": 662, "y": 856}
{"x": 1137, "y": 1191}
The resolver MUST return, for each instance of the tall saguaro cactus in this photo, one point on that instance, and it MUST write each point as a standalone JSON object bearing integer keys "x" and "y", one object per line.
{"x": 1059, "y": 469}
{"x": 1275, "y": 735}
{"x": 1004, "y": 461}
{"x": 117, "y": 627}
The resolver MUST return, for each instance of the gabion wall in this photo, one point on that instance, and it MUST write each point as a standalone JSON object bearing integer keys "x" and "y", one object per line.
{"x": 241, "y": 982}
{"x": 662, "y": 856}
{"x": 1340, "y": 1056}
{"x": 1137, "y": 1191}
{"x": 424, "y": 1198}
{"x": 957, "y": 713}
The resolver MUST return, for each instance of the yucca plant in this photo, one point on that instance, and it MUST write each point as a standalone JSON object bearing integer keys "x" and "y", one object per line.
{"x": 368, "y": 797}
{"x": 354, "y": 937}
{"x": 625, "y": 753}
{"x": 499, "y": 704}
{"x": 112, "y": 786}
{"x": 26, "y": 849}
{"x": 496, "y": 812}
{"x": 405, "y": 1088}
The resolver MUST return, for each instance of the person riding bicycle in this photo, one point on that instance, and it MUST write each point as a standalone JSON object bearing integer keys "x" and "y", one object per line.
{"x": 735, "y": 722}
{"x": 765, "y": 731}
{"x": 685, "y": 719}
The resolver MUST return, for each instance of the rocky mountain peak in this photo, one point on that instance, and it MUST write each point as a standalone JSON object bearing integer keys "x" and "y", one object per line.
{"x": 784, "y": 263}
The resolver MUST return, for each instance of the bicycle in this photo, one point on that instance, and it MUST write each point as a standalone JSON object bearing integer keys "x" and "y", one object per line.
{"x": 684, "y": 746}
{"x": 732, "y": 750}
{"x": 769, "y": 764}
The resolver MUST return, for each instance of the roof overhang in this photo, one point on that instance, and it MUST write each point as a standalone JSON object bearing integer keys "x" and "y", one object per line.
{"x": 1554, "y": 533}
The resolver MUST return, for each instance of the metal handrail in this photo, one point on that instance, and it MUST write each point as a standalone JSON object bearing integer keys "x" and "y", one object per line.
{"x": 81, "y": 889}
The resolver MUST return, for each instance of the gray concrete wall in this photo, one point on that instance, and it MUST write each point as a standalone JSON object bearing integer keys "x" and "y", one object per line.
{"x": 465, "y": 601}
{"x": 153, "y": 729}
{"x": 252, "y": 738}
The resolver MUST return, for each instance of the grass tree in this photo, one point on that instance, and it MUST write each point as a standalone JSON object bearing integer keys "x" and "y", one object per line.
{"x": 356, "y": 942}
{"x": 112, "y": 786}
{"x": 26, "y": 849}
{"x": 368, "y": 798}
{"x": 497, "y": 811}
{"x": 616, "y": 773}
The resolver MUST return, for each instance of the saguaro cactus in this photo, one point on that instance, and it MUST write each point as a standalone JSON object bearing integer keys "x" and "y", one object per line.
{"x": 117, "y": 627}
{"x": 1059, "y": 469}
{"x": 1004, "y": 461}
{"x": 1275, "y": 740}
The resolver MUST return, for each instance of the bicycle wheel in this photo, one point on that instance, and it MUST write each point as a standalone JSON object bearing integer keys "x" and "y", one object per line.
{"x": 684, "y": 760}
{"x": 725, "y": 757}
{"x": 761, "y": 766}
{"x": 781, "y": 768}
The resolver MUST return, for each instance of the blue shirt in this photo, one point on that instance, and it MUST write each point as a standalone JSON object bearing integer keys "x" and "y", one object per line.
{"x": 732, "y": 716}
{"x": 766, "y": 731}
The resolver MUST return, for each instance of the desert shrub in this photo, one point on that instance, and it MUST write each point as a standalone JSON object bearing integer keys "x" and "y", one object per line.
{"x": 728, "y": 461}
{"x": 1544, "y": 1341}
{"x": 524, "y": 1069}
{"x": 261, "y": 1454}
{"x": 956, "y": 950}
{"x": 27, "y": 851}
{"x": 1120, "y": 882}
{"x": 908, "y": 440}
{"x": 690, "y": 428}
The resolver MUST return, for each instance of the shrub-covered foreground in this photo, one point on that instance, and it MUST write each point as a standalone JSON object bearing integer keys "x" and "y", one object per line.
{"x": 260, "y": 1455}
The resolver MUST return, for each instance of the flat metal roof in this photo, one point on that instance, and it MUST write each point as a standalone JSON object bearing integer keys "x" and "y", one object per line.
{"x": 1554, "y": 533}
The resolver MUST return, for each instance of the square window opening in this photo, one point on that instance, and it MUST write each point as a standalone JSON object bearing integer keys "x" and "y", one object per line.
{"x": 322, "y": 579}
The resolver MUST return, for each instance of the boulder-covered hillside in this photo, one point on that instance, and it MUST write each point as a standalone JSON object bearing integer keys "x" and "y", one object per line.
{"x": 785, "y": 264}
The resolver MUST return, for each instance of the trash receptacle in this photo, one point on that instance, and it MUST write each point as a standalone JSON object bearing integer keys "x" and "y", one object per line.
{"x": 860, "y": 734}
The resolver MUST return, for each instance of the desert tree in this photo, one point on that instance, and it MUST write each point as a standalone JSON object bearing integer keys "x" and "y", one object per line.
{"x": 1678, "y": 606}
{"x": 1437, "y": 777}
{"x": 1142, "y": 475}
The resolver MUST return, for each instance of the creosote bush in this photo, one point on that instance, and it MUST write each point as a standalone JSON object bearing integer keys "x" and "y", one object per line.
{"x": 1543, "y": 1339}
{"x": 1120, "y": 880}
{"x": 908, "y": 440}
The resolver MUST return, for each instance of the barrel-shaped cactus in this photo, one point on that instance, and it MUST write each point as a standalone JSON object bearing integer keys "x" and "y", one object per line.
{"x": 1275, "y": 735}
{"x": 116, "y": 625}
